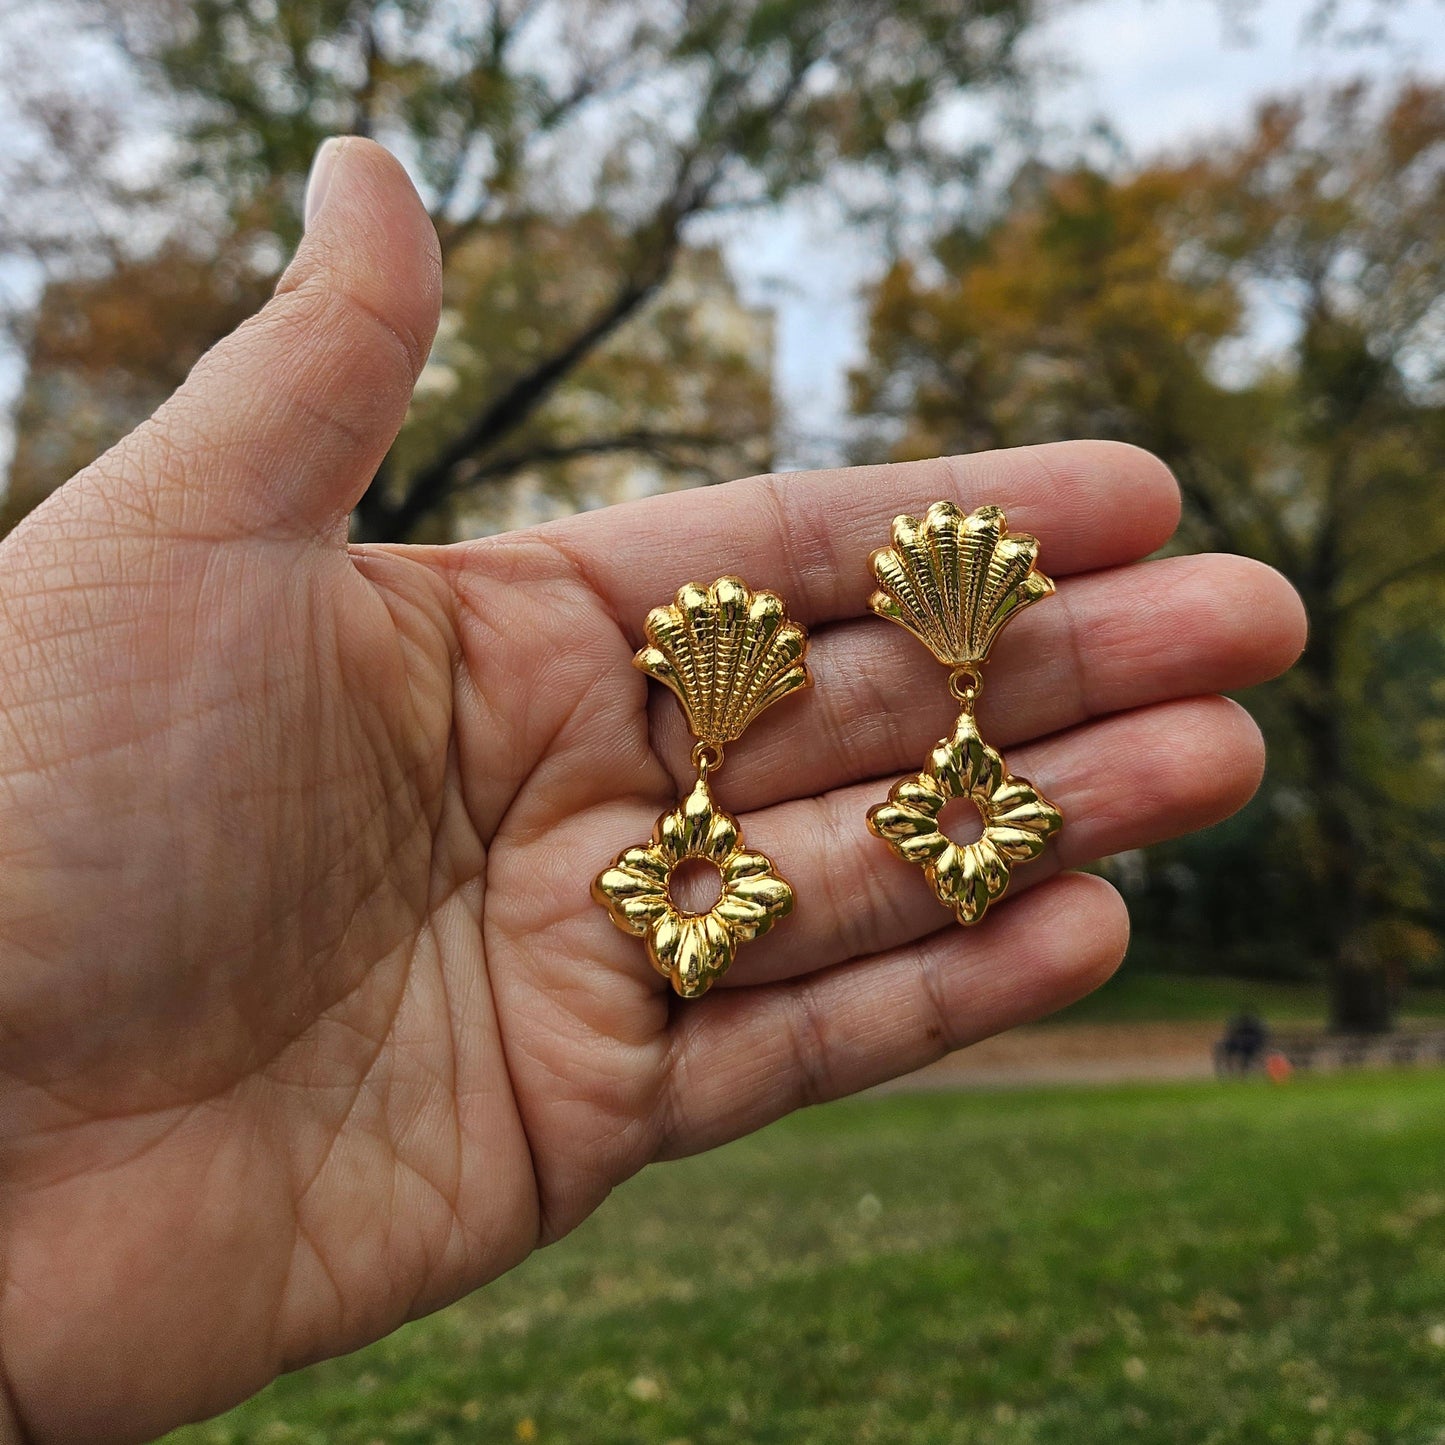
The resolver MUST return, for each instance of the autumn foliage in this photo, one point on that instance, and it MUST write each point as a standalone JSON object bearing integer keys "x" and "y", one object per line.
{"x": 1267, "y": 314}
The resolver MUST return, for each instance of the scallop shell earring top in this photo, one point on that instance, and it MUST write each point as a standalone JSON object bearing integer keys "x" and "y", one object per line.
{"x": 954, "y": 582}
{"x": 727, "y": 653}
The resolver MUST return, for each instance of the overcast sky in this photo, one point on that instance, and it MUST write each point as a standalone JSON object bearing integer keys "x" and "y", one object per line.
{"x": 1160, "y": 72}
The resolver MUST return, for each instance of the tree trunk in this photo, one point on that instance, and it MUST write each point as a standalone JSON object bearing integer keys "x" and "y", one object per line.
{"x": 1361, "y": 998}
{"x": 371, "y": 521}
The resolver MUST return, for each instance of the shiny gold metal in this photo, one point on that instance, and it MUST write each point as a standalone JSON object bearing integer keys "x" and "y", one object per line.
{"x": 954, "y": 581}
{"x": 727, "y": 653}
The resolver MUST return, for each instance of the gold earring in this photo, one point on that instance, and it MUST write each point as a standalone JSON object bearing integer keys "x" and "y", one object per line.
{"x": 727, "y": 653}
{"x": 953, "y": 581}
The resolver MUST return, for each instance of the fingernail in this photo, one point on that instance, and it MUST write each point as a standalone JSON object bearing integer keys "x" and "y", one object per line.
{"x": 319, "y": 181}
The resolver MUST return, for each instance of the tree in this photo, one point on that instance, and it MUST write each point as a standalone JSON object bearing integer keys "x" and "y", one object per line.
{"x": 685, "y": 393}
{"x": 103, "y": 352}
{"x": 639, "y": 123}
{"x": 1128, "y": 306}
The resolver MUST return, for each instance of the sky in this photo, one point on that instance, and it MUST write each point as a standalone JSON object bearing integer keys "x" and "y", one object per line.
{"x": 1160, "y": 72}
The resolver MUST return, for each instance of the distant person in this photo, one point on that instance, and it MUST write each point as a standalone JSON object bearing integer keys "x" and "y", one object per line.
{"x": 308, "y": 1024}
{"x": 1246, "y": 1036}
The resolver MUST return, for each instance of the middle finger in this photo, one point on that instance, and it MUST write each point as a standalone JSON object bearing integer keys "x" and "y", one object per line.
{"x": 1125, "y": 782}
{"x": 1106, "y": 643}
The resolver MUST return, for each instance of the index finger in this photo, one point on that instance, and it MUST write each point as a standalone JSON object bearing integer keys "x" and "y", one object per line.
{"x": 807, "y": 535}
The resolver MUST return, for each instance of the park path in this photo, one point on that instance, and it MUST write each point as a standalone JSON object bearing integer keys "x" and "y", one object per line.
{"x": 1105, "y": 1053}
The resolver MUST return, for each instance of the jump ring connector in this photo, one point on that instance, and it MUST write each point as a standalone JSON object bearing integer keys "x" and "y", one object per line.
{"x": 965, "y": 682}
{"x": 707, "y": 758}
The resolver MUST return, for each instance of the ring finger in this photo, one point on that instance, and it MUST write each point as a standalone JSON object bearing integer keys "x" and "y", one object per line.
{"x": 1124, "y": 782}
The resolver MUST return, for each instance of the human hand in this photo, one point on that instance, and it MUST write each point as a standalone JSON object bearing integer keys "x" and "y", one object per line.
{"x": 308, "y": 1024}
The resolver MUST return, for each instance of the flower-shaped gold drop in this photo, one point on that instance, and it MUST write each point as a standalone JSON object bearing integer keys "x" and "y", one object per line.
{"x": 954, "y": 581}
{"x": 693, "y": 949}
{"x": 727, "y": 653}
{"x": 1017, "y": 821}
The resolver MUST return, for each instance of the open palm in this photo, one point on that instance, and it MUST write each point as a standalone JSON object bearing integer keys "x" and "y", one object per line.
{"x": 307, "y": 1021}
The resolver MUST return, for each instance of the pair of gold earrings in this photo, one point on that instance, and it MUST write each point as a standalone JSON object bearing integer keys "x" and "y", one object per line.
{"x": 728, "y": 653}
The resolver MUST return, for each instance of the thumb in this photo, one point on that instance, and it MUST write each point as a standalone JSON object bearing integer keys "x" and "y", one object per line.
{"x": 279, "y": 427}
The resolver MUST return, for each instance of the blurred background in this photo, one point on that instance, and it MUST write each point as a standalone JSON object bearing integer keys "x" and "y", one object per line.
{"x": 686, "y": 240}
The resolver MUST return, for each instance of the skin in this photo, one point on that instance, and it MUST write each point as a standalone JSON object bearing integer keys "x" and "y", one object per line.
{"x": 308, "y": 1024}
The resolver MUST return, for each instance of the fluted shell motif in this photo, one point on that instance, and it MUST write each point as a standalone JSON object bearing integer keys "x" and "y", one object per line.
{"x": 953, "y": 580}
{"x": 727, "y": 652}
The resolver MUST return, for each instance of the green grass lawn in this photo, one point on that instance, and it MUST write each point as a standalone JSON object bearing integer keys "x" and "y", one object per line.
{"x": 1133, "y": 996}
{"x": 1180, "y": 1265}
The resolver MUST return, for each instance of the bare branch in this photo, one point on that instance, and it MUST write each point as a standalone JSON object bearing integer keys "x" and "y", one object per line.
{"x": 518, "y": 401}
{"x": 1419, "y": 567}
{"x": 658, "y": 443}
